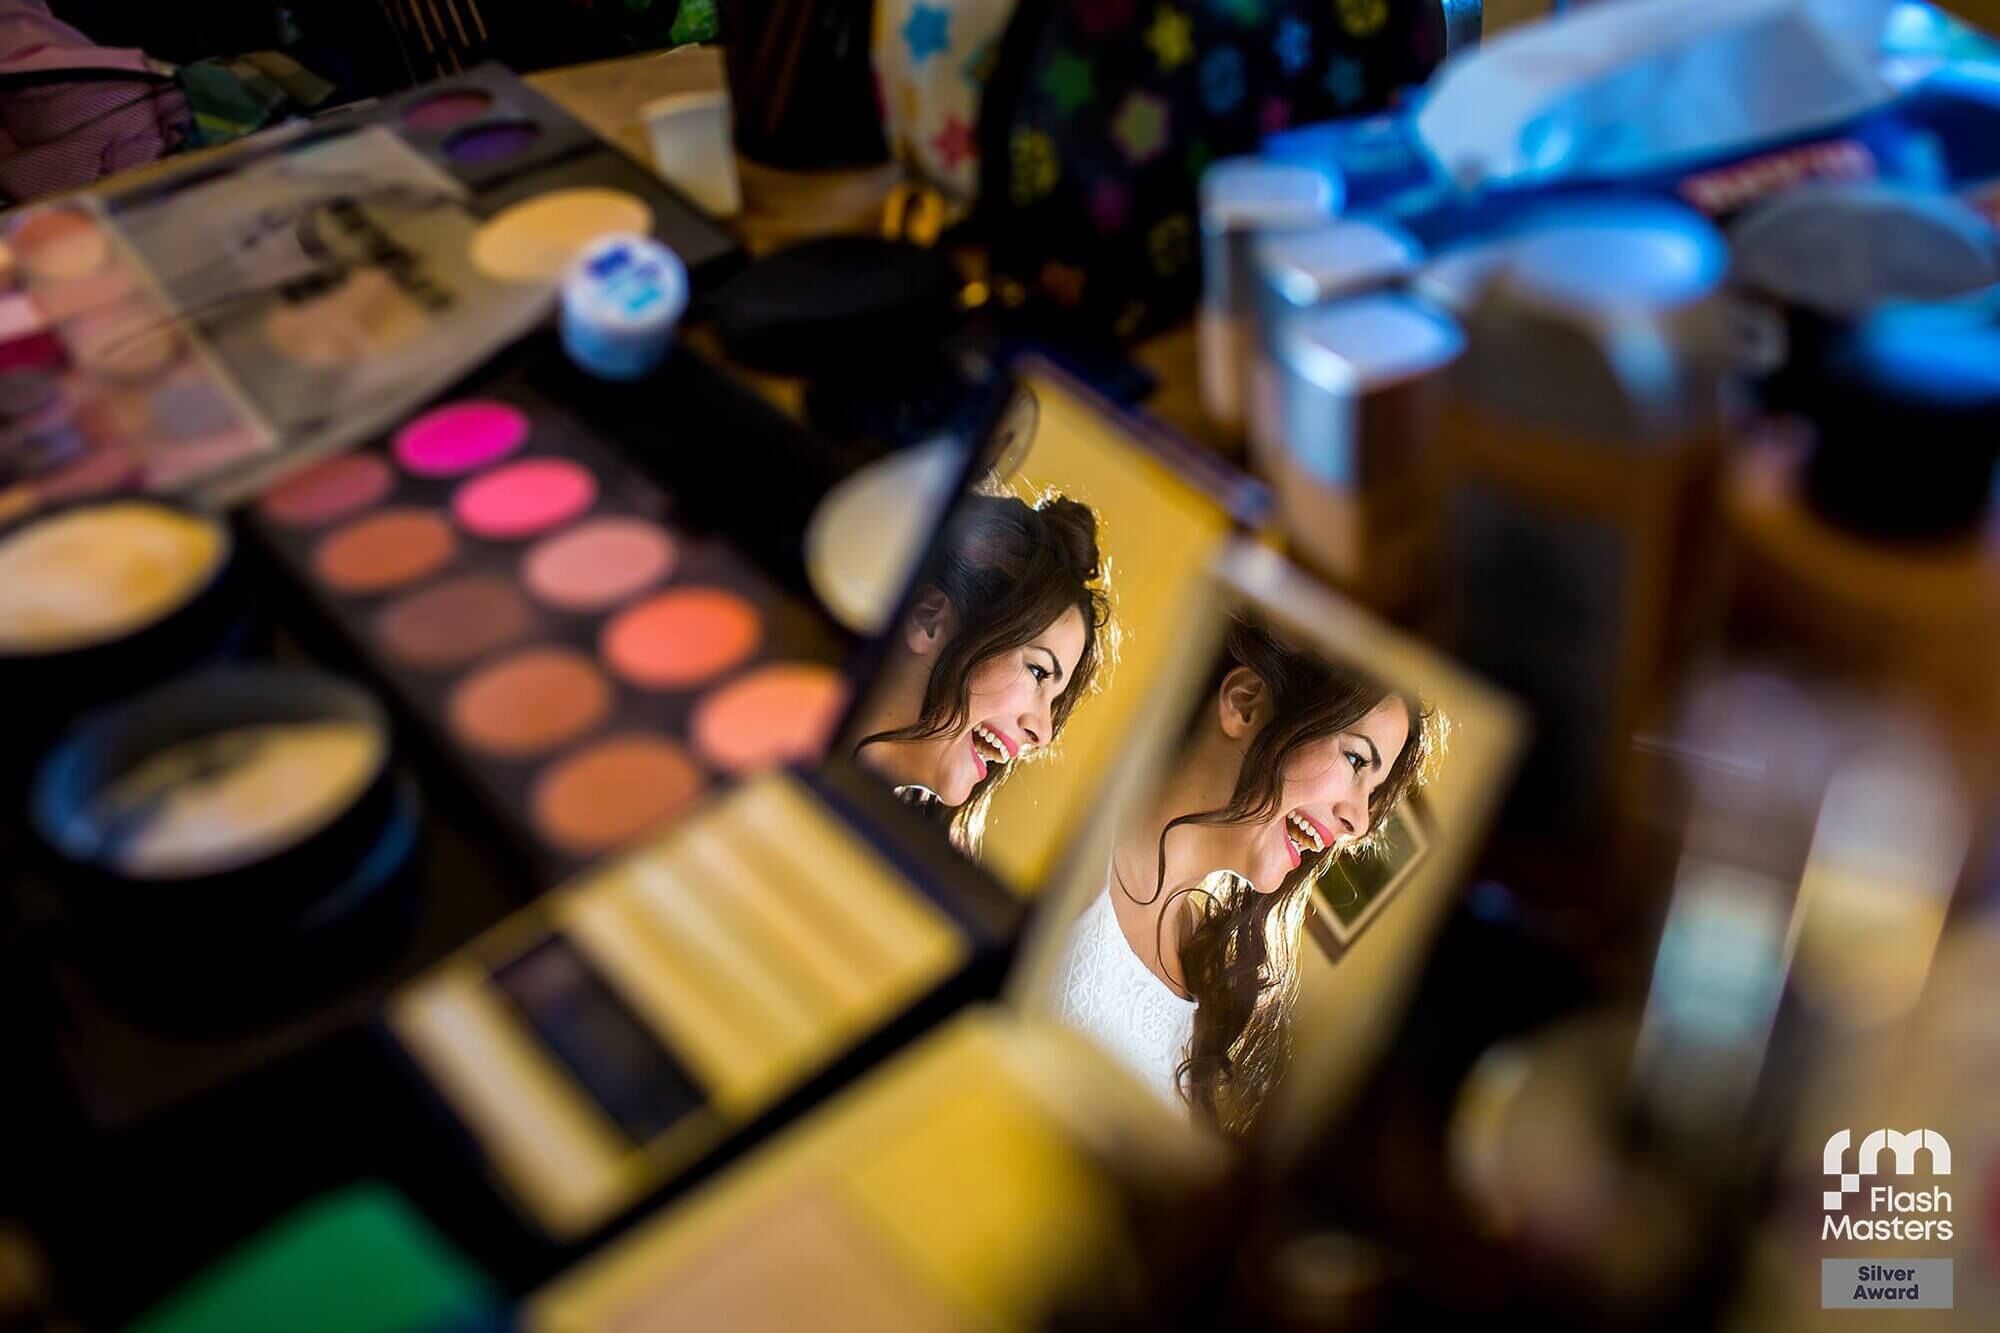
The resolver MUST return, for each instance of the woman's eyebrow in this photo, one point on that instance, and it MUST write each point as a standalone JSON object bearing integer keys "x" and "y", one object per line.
{"x": 1375, "y": 762}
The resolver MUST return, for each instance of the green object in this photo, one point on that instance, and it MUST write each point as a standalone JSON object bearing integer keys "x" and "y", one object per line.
{"x": 696, "y": 22}
{"x": 359, "y": 1261}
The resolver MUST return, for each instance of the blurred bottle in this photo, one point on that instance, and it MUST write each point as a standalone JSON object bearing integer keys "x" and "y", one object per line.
{"x": 1583, "y": 435}
{"x": 1298, "y": 270}
{"x": 1866, "y": 548}
{"x": 1358, "y": 386}
{"x": 1243, "y": 198}
{"x": 800, "y": 86}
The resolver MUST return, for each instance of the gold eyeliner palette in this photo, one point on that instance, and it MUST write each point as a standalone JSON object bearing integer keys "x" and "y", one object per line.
{"x": 665, "y": 1007}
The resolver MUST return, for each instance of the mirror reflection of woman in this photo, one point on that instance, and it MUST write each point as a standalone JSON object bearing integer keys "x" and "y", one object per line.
{"x": 1005, "y": 637}
{"x": 1186, "y": 966}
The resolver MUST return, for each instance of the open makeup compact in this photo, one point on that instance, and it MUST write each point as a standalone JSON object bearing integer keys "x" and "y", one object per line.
{"x": 986, "y": 792}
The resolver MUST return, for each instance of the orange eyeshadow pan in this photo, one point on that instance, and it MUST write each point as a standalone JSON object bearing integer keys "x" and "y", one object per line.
{"x": 613, "y": 790}
{"x": 773, "y": 715}
{"x": 385, "y": 550}
{"x": 682, "y": 638}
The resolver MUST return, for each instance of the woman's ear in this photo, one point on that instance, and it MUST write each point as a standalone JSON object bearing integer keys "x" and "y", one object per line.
{"x": 930, "y": 621}
{"x": 1242, "y": 703}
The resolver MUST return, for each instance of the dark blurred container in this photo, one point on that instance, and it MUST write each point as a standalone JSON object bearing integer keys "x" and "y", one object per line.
{"x": 801, "y": 89}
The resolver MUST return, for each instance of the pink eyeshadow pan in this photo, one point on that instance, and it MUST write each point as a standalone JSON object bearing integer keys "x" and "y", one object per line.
{"x": 329, "y": 490}
{"x": 774, "y": 715}
{"x": 459, "y": 438}
{"x": 523, "y": 499}
{"x": 597, "y": 563}
{"x": 447, "y": 109}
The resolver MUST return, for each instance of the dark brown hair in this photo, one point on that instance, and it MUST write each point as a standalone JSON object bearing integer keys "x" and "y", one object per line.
{"x": 1009, "y": 570}
{"x": 1240, "y": 962}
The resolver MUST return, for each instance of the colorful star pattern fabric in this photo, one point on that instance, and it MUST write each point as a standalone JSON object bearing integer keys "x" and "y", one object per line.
{"x": 1117, "y": 109}
{"x": 1140, "y": 127}
{"x": 1346, "y": 80}
{"x": 954, "y": 143}
{"x": 1363, "y": 18}
{"x": 932, "y": 60}
{"x": 1171, "y": 244}
{"x": 1101, "y": 18}
{"x": 1222, "y": 80}
{"x": 1293, "y": 44}
{"x": 1067, "y": 81}
{"x": 1110, "y": 205}
{"x": 1171, "y": 38}
{"x": 926, "y": 32}
{"x": 1035, "y": 164}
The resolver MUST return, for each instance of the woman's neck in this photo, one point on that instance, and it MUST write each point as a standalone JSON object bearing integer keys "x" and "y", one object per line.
{"x": 1152, "y": 908}
{"x": 1154, "y": 917}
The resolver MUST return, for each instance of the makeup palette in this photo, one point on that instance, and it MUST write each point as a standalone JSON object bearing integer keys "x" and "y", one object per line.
{"x": 101, "y": 391}
{"x": 593, "y": 664}
{"x": 509, "y": 143}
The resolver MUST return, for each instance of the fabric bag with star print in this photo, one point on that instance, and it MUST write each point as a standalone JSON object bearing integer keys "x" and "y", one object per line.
{"x": 1100, "y": 115}
{"x": 932, "y": 60}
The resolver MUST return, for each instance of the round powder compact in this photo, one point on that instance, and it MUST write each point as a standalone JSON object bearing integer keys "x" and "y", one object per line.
{"x": 104, "y": 596}
{"x": 612, "y": 791}
{"x": 226, "y": 811}
{"x": 536, "y": 240}
{"x": 86, "y": 576}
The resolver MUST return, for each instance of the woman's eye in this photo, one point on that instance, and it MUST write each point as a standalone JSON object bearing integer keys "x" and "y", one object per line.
{"x": 1040, "y": 673}
{"x": 1356, "y": 761}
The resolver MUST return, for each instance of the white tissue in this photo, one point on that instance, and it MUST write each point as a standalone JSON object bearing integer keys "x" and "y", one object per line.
{"x": 1627, "y": 87}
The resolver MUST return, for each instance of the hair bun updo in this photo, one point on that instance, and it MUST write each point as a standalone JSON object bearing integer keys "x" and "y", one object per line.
{"x": 1070, "y": 526}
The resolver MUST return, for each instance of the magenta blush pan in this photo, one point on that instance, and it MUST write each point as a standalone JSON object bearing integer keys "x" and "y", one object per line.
{"x": 460, "y": 438}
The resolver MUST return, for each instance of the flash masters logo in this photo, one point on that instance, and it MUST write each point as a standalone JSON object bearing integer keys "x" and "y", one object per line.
{"x": 1893, "y": 1214}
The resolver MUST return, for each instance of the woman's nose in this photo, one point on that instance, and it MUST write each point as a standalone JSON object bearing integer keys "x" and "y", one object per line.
{"x": 1351, "y": 814}
{"x": 1035, "y": 726}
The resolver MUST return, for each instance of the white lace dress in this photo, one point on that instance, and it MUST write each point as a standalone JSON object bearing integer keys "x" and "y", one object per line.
{"x": 1102, "y": 990}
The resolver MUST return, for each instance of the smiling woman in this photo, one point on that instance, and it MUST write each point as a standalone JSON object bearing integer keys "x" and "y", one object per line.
{"x": 1002, "y": 640}
{"x": 1186, "y": 966}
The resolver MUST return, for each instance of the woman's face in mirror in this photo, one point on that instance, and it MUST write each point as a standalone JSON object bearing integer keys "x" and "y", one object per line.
{"x": 1323, "y": 804}
{"x": 1010, "y": 705}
